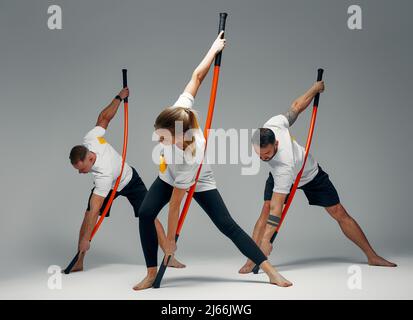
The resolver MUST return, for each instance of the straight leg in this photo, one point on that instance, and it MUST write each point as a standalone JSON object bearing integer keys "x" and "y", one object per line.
{"x": 212, "y": 203}
{"x": 352, "y": 231}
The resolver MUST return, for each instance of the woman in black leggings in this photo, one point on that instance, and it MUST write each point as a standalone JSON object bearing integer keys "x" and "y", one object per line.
{"x": 181, "y": 152}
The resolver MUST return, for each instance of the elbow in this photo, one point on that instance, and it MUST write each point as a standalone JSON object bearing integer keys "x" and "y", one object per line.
{"x": 197, "y": 76}
{"x": 103, "y": 121}
{"x": 93, "y": 213}
{"x": 296, "y": 105}
{"x": 102, "y": 117}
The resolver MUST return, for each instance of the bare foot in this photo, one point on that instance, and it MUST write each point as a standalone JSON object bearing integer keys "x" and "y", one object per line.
{"x": 77, "y": 267}
{"x": 380, "y": 262}
{"x": 146, "y": 283}
{"x": 174, "y": 263}
{"x": 247, "y": 267}
{"x": 279, "y": 280}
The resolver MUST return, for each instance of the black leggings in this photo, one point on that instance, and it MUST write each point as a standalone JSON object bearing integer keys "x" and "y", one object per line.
{"x": 159, "y": 195}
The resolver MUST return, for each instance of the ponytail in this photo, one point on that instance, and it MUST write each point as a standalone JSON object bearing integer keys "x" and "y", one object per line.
{"x": 193, "y": 119}
{"x": 167, "y": 118}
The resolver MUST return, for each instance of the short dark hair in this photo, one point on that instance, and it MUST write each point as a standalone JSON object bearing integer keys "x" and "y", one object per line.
{"x": 78, "y": 153}
{"x": 263, "y": 137}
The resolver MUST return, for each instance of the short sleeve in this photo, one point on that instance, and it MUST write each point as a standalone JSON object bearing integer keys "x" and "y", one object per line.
{"x": 279, "y": 121}
{"x": 103, "y": 185}
{"x": 95, "y": 133}
{"x": 185, "y": 100}
{"x": 283, "y": 178}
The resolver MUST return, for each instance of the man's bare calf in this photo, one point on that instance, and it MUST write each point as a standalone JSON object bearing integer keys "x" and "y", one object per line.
{"x": 352, "y": 230}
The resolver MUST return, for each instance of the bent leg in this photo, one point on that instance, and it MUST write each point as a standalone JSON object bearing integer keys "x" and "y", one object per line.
{"x": 135, "y": 192}
{"x": 156, "y": 198}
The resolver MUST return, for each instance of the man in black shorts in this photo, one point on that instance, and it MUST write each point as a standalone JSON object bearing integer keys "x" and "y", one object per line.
{"x": 98, "y": 157}
{"x": 274, "y": 144}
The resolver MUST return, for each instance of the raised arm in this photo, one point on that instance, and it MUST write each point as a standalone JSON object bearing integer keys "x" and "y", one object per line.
{"x": 302, "y": 102}
{"x": 202, "y": 69}
{"x": 109, "y": 112}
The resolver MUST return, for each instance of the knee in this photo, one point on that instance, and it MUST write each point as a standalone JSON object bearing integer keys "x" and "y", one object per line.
{"x": 338, "y": 212}
{"x": 229, "y": 227}
{"x": 146, "y": 214}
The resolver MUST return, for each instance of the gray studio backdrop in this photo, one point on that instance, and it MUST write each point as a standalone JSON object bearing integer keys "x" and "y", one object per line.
{"x": 54, "y": 83}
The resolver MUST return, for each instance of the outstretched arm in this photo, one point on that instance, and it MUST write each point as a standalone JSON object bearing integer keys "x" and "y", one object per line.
{"x": 173, "y": 217}
{"x": 109, "y": 112}
{"x": 89, "y": 222}
{"x": 301, "y": 103}
{"x": 276, "y": 207}
{"x": 259, "y": 227}
{"x": 202, "y": 69}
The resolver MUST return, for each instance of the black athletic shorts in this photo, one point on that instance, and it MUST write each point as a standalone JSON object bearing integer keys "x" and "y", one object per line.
{"x": 135, "y": 191}
{"x": 319, "y": 192}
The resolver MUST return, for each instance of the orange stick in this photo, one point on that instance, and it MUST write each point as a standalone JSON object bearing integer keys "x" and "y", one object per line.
{"x": 300, "y": 173}
{"x": 211, "y": 107}
{"x": 115, "y": 187}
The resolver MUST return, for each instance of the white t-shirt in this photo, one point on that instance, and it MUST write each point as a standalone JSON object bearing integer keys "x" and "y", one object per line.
{"x": 108, "y": 164}
{"x": 179, "y": 171}
{"x": 289, "y": 158}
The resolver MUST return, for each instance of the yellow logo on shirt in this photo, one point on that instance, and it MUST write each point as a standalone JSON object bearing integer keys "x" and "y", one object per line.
{"x": 162, "y": 164}
{"x": 102, "y": 140}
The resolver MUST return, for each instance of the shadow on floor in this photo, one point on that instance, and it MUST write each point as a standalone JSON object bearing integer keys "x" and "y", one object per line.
{"x": 180, "y": 281}
{"x": 314, "y": 262}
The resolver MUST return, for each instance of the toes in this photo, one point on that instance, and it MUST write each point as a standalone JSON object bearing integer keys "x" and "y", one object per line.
{"x": 243, "y": 270}
{"x": 144, "y": 284}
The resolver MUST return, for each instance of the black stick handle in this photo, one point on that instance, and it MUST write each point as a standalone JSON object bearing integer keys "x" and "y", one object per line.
{"x": 162, "y": 269}
{"x": 274, "y": 236}
{"x": 319, "y": 78}
{"x": 222, "y": 20}
{"x": 161, "y": 272}
{"x": 71, "y": 264}
{"x": 125, "y": 80}
{"x": 256, "y": 269}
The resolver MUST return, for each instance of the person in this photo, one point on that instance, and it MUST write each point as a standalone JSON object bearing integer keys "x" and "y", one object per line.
{"x": 274, "y": 145}
{"x": 182, "y": 150}
{"x": 98, "y": 157}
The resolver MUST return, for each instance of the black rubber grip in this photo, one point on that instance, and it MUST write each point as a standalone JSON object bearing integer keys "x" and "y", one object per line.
{"x": 161, "y": 272}
{"x": 162, "y": 269}
{"x": 320, "y": 74}
{"x": 319, "y": 78}
{"x": 222, "y": 19}
{"x": 71, "y": 264}
{"x": 125, "y": 80}
{"x": 274, "y": 236}
{"x": 256, "y": 269}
